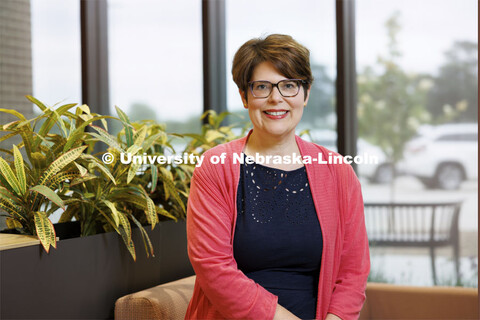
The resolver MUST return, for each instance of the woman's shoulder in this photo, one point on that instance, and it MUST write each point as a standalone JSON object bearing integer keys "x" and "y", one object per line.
{"x": 340, "y": 168}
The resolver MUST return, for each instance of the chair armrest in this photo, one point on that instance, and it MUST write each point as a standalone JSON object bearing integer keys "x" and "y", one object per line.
{"x": 387, "y": 301}
{"x": 166, "y": 301}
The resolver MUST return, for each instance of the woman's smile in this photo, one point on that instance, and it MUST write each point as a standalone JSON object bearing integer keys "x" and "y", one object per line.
{"x": 276, "y": 114}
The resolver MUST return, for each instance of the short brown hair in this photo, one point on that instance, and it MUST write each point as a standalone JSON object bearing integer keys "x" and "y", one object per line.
{"x": 288, "y": 56}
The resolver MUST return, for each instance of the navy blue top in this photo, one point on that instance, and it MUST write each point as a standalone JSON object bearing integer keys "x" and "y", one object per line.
{"x": 278, "y": 240}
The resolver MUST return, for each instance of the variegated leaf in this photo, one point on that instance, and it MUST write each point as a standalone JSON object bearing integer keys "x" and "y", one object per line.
{"x": 106, "y": 138}
{"x": 9, "y": 176}
{"x": 115, "y": 214}
{"x": 169, "y": 185}
{"x": 96, "y": 163}
{"x": 83, "y": 171}
{"x": 150, "y": 212}
{"x": 50, "y": 194}
{"x": 165, "y": 213}
{"x": 154, "y": 171}
{"x": 53, "y": 182}
{"x": 13, "y": 223}
{"x": 139, "y": 136}
{"x": 68, "y": 214}
{"x": 61, "y": 162}
{"x": 14, "y": 113}
{"x": 127, "y": 125}
{"x": 211, "y": 135}
{"x": 45, "y": 231}
{"x": 146, "y": 239}
{"x": 132, "y": 171}
{"x": 20, "y": 169}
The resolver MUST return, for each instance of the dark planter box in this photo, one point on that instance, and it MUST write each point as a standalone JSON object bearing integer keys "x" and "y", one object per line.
{"x": 83, "y": 277}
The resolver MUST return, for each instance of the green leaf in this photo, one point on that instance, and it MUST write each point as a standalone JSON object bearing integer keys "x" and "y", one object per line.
{"x": 106, "y": 138}
{"x": 50, "y": 194}
{"x": 83, "y": 171}
{"x": 45, "y": 231}
{"x": 53, "y": 182}
{"x": 12, "y": 210}
{"x": 20, "y": 169}
{"x": 139, "y": 136}
{"x": 36, "y": 102}
{"x": 132, "y": 171}
{"x": 154, "y": 170}
{"x": 150, "y": 212}
{"x": 8, "y": 136}
{"x": 165, "y": 213}
{"x": 126, "y": 233}
{"x": 14, "y": 113}
{"x": 134, "y": 149}
{"x": 77, "y": 134}
{"x": 100, "y": 166}
{"x": 167, "y": 179}
{"x": 52, "y": 117}
{"x": 8, "y": 174}
{"x": 127, "y": 125}
{"x": 68, "y": 214}
{"x": 13, "y": 223}
{"x": 158, "y": 138}
{"x": 211, "y": 135}
{"x": 115, "y": 214}
{"x": 61, "y": 162}
{"x": 146, "y": 239}
{"x": 9, "y": 196}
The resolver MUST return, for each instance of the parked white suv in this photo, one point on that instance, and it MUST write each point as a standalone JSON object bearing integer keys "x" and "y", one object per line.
{"x": 443, "y": 156}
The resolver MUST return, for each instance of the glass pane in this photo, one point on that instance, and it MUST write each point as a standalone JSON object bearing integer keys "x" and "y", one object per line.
{"x": 155, "y": 61}
{"x": 56, "y": 51}
{"x": 417, "y": 110}
{"x": 39, "y": 56}
{"x": 310, "y": 22}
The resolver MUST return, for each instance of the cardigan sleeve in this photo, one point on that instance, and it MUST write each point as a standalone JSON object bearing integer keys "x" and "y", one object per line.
{"x": 354, "y": 266}
{"x": 210, "y": 249}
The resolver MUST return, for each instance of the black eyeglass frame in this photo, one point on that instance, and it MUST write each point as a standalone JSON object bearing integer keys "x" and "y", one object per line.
{"x": 250, "y": 85}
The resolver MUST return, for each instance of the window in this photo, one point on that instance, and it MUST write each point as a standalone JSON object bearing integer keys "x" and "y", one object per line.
{"x": 417, "y": 72}
{"x": 155, "y": 61}
{"x": 56, "y": 54}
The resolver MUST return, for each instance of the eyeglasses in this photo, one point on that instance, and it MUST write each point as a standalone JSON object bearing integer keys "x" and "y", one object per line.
{"x": 287, "y": 87}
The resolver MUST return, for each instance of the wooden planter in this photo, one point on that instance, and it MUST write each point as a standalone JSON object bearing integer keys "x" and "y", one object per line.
{"x": 84, "y": 277}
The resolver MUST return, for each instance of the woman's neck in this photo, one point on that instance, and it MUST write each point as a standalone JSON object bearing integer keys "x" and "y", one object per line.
{"x": 268, "y": 145}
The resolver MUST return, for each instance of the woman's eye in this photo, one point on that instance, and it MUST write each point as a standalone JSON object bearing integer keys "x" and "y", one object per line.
{"x": 260, "y": 87}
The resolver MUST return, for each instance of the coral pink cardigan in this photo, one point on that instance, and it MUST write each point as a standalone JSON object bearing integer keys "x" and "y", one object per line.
{"x": 222, "y": 291}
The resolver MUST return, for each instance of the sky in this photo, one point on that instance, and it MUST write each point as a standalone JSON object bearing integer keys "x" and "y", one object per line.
{"x": 155, "y": 53}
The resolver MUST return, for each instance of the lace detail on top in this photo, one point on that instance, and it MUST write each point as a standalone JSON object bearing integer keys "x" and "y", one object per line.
{"x": 270, "y": 192}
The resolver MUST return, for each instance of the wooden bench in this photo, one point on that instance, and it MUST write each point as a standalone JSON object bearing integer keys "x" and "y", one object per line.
{"x": 429, "y": 225}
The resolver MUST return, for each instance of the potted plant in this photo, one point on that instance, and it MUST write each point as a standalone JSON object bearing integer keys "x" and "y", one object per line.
{"x": 58, "y": 171}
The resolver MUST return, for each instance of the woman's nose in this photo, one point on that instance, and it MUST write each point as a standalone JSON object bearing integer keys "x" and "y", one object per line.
{"x": 275, "y": 95}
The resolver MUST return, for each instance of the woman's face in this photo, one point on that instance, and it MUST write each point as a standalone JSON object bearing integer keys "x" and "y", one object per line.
{"x": 275, "y": 115}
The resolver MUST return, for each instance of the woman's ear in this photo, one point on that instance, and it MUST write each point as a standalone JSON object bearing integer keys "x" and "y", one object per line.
{"x": 244, "y": 98}
{"x": 307, "y": 96}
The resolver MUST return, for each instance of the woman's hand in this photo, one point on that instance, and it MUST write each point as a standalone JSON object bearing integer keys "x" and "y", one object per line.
{"x": 331, "y": 316}
{"x": 282, "y": 313}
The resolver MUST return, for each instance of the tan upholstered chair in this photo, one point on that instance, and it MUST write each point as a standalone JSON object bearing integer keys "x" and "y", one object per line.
{"x": 384, "y": 301}
{"x": 166, "y": 301}
{"x": 388, "y": 301}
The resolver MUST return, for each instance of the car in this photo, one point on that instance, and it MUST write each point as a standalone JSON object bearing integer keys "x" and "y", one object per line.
{"x": 380, "y": 171}
{"x": 443, "y": 156}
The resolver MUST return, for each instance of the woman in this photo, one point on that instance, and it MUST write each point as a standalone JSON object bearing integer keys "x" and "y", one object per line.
{"x": 283, "y": 239}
